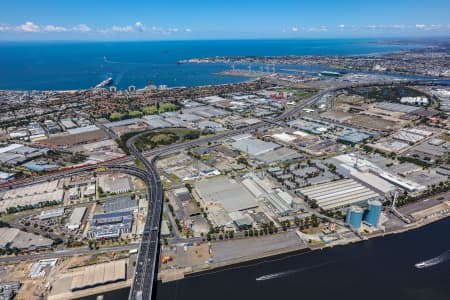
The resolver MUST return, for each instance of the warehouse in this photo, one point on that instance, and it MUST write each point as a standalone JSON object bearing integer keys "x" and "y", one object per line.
{"x": 408, "y": 137}
{"x": 282, "y": 154}
{"x": 126, "y": 122}
{"x": 115, "y": 185}
{"x": 254, "y": 147}
{"x": 14, "y": 238}
{"x": 120, "y": 204}
{"x": 51, "y": 213}
{"x": 32, "y": 199}
{"x": 110, "y": 225}
{"x": 155, "y": 121}
{"x": 226, "y": 192}
{"x": 261, "y": 189}
{"x": 99, "y": 274}
{"x": 182, "y": 194}
{"x": 339, "y": 194}
{"x": 397, "y": 107}
{"x": 85, "y": 129}
{"x": 75, "y": 218}
{"x": 284, "y": 137}
{"x": 74, "y": 193}
{"x": 352, "y": 136}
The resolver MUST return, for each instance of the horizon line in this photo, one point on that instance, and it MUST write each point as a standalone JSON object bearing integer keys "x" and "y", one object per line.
{"x": 230, "y": 39}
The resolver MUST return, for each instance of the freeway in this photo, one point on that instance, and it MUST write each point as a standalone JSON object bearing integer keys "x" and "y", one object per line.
{"x": 177, "y": 147}
{"x": 145, "y": 273}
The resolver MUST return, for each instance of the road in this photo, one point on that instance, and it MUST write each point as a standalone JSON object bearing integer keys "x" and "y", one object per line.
{"x": 68, "y": 252}
{"x": 146, "y": 268}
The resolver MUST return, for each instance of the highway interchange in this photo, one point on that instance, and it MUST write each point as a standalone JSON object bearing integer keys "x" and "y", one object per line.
{"x": 147, "y": 262}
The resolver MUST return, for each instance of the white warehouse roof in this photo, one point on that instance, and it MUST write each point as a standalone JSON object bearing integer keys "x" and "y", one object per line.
{"x": 338, "y": 194}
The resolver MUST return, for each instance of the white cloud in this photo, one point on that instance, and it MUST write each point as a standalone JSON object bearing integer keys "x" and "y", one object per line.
{"x": 342, "y": 26}
{"x": 29, "y": 27}
{"x": 139, "y": 26}
{"x": 318, "y": 29}
{"x": 82, "y": 28}
{"x": 5, "y": 28}
{"x": 122, "y": 29}
{"x": 294, "y": 29}
{"x": 52, "y": 28}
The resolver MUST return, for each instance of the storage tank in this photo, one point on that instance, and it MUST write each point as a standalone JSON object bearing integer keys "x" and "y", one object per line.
{"x": 354, "y": 217}
{"x": 372, "y": 214}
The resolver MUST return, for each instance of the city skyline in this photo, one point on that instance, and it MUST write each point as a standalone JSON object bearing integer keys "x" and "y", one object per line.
{"x": 117, "y": 20}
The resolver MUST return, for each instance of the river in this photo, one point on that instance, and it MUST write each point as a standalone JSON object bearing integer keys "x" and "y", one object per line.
{"x": 380, "y": 268}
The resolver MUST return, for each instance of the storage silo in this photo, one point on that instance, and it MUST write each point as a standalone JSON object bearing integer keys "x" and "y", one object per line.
{"x": 354, "y": 217}
{"x": 373, "y": 212}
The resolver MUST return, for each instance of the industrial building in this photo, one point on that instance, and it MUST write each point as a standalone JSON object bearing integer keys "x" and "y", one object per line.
{"x": 279, "y": 200}
{"x": 225, "y": 192}
{"x": 373, "y": 212}
{"x": 363, "y": 171}
{"x": 4, "y": 176}
{"x": 33, "y": 198}
{"x": 182, "y": 194}
{"x": 76, "y": 218}
{"x": 397, "y": 107}
{"x": 110, "y": 225}
{"x": 253, "y": 146}
{"x": 8, "y": 290}
{"x": 338, "y": 194}
{"x": 99, "y": 274}
{"x": 408, "y": 137}
{"x": 115, "y": 185}
{"x": 373, "y": 176}
{"x": 415, "y": 100}
{"x": 126, "y": 122}
{"x": 354, "y": 217}
{"x": 155, "y": 121}
{"x": 40, "y": 268}
{"x": 124, "y": 203}
{"x": 14, "y": 238}
{"x": 90, "y": 190}
{"x": 242, "y": 221}
{"x": 51, "y": 213}
{"x": 282, "y": 154}
{"x": 74, "y": 193}
{"x": 353, "y": 136}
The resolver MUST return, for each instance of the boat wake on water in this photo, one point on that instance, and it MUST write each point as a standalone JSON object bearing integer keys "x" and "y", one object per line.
{"x": 433, "y": 261}
{"x": 290, "y": 272}
{"x": 106, "y": 60}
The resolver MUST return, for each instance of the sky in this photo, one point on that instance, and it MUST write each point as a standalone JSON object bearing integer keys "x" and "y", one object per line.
{"x": 220, "y": 19}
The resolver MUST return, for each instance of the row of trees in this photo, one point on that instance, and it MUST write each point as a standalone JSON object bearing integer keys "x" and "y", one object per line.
{"x": 18, "y": 208}
{"x": 433, "y": 190}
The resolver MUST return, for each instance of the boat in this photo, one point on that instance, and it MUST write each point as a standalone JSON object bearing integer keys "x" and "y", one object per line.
{"x": 421, "y": 265}
{"x": 330, "y": 74}
{"x": 433, "y": 261}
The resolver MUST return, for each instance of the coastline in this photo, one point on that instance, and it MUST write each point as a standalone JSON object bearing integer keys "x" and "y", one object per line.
{"x": 283, "y": 253}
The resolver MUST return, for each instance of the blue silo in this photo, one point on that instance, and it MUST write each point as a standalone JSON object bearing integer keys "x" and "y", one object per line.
{"x": 372, "y": 214}
{"x": 354, "y": 217}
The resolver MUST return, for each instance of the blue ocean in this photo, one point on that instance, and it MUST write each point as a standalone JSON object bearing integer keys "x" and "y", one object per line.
{"x": 81, "y": 65}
